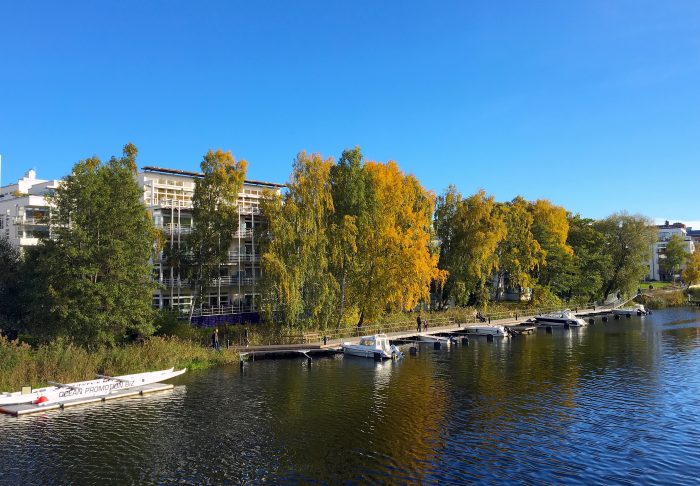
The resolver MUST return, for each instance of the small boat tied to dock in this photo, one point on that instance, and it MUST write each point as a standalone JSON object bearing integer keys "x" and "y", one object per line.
{"x": 564, "y": 318}
{"x": 61, "y": 395}
{"x": 376, "y": 346}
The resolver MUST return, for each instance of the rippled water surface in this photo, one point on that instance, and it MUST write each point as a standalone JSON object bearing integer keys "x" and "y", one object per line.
{"x": 612, "y": 403}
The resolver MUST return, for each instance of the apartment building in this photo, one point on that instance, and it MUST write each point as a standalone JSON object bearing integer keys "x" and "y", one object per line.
{"x": 665, "y": 232}
{"x": 167, "y": 194}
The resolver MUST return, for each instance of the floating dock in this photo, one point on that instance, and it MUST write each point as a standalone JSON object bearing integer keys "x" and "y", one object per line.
{"x": 29, "y": 408}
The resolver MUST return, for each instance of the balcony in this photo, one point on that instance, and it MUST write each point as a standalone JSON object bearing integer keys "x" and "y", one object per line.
{"x": 21, "y": 221}
{"x": 232, "y": 257}
{"x": 177, "y": 228}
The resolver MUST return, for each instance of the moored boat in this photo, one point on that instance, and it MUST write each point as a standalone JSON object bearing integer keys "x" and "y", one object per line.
{"x": 376, "y": 346}
{"x": 487, "y": 330}
{"x": 636, "y": 310}
{"x": 102, "y": 386}
{"x": 564, "y": 318}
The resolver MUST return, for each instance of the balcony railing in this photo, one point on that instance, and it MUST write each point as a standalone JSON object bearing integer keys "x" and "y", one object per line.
{"x": 232, "y": 257}
{"x": 177, "y": 228}
{"x": 224, "y": 281}
{"x": 19, "y": 220}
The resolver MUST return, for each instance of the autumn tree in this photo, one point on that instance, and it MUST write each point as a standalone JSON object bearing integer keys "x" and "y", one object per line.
{"x": 297, "y": 282}
{"x": 550, "y": 228}
{"x": 469, "y": 231}
{"x": 627, "y": 241}
{"x": 519, "y": 253}
{"x": 215, "y": 217}
{"x": 393, "y": 245}
{"x": 674, "y": 256}
{"x": 691, "y": 274}
{"x": 94, "y": 274}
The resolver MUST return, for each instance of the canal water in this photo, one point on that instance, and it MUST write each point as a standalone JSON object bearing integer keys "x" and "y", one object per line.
{"x": 611, "y": 403}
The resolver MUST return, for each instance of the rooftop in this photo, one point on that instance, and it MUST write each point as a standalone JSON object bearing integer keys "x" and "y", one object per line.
{"x": 187, "y": 173}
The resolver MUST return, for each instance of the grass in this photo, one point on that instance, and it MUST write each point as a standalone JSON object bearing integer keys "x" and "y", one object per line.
{"x": 654, "y": 285}
{"x": 65, "y": 362}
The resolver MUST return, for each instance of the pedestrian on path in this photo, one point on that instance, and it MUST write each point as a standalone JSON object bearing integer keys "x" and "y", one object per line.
{"x": 418, "y": 323}
{"x": 215, "y": 339}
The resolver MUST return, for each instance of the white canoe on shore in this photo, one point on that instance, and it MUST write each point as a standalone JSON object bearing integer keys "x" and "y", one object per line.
{"x": 102, "y": 386}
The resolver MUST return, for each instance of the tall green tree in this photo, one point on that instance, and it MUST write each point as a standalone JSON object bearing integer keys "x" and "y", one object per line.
{"x": 95, "y": 269}
{"x": 297, "y": 282}
{"x": 350, "y": 193}
{"x": 627, "y": 241}
{"x": 469, "y": 231}
{"x": 674, "y": 257}
{"x": 215, "y": 218}
{"x": 589, "y": 259}
{"x": 10, "y": 285}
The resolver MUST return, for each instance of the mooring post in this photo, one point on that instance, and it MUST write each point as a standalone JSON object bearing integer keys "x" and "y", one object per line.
{"x": 489, "y": 338}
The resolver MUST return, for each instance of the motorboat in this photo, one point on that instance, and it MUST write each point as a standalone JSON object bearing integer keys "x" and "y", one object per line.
{"x": 101, "y": 386}
{"x": 487, "y": 330}
{"x": 376, "y": 346}
{"x": 564, "y": 318}
{"x": 636, "y": 310}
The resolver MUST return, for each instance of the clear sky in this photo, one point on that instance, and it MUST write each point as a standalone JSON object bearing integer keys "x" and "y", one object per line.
{"x": 594, "y": 105}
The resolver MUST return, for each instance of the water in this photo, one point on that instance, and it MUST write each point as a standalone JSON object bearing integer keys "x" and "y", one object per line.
{"x": 612, "y": 403}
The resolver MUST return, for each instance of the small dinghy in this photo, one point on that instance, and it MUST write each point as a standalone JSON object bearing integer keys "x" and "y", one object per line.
{"x": 636, "y": 310}
{"x": 102, "y": 386}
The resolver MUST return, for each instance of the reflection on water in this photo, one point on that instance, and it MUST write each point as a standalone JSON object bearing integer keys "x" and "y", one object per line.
{"x": 611, "y": 403}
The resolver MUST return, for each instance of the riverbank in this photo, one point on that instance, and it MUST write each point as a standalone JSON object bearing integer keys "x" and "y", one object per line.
{"x": 64, "y": 362}
{"x": 663, "y": 298}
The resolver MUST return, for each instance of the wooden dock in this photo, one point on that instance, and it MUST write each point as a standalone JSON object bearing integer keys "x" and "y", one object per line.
{"x": 29, "y": 408}
{"x": 520, "y": 325}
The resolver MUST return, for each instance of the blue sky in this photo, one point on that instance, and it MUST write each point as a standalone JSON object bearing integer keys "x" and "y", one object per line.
{"x": 594, "y": 105}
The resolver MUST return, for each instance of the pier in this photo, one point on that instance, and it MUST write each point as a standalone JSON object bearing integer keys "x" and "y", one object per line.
{"x": 331, "y": 344}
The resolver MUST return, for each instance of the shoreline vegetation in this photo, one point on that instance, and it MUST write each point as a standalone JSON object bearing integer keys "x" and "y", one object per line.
{"x": 63, "y": 361}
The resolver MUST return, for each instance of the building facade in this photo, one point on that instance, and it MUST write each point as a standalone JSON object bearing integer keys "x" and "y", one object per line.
{"x": 658, "y": 249}
{"x": 167, "y": 194}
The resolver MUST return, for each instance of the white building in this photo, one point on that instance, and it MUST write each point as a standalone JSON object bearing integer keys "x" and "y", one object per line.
{"x": 167, "y": 193}
{"x": 658, "y": 249}
{"x": 24, "y": 211}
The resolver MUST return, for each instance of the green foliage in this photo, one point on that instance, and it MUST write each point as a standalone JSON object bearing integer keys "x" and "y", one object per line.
{"x": 215, "y": 218}
{"x": 10, "y": 286}
{"x": 551, "y": 228}
{"x": 470, "y": 231}
{"x": 519, "y": 253}
{"x": 674, "y": 257}
{"x": 589, "y": 259}
{"x": 297, "y": 282}
{"x": 92, "y": 279}
{"x": 63, "y": 361}
{"x": 627, "y": 241}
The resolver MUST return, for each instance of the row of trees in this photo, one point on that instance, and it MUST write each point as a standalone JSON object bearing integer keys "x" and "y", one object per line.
{"x": 487, "y": 247}
{"x": 347, "y": 241}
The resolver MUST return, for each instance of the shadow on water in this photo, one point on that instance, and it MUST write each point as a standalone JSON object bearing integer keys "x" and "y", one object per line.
{"x": 610, "y": 403}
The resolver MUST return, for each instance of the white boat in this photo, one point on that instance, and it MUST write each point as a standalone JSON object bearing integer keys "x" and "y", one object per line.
{"x": 376, "y": 346}
{"x": 563, "y": 318}
{"x": 487, "y": 330}
{"x": 103, "y": 385}
{"x": 429, "y": 338}
{"x": 636, "y": 310}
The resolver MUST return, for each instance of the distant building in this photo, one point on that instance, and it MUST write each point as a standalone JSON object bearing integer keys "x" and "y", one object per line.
{"x": 658, "y": 249}
{"x": 24, "y": 210}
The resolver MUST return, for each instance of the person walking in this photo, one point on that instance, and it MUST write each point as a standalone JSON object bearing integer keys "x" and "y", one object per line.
{"x": 215, "y": 339}
{"x": 418, "y": 323}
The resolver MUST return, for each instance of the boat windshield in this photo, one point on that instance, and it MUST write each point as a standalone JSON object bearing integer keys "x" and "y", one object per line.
{"x": 366, "y": 341}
